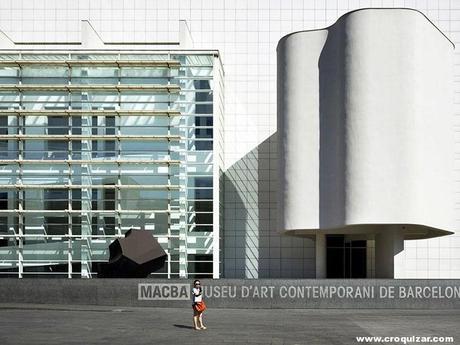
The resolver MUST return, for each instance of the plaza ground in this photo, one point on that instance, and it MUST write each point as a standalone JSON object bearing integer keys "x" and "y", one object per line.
{"x": 59, "y": 324}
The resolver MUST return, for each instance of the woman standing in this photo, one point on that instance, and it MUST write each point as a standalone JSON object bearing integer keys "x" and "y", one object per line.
{"x": 198, "y": 305}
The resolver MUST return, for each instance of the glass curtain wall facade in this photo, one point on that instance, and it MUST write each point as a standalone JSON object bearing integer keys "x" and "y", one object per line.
{"x": 93, "y": 144}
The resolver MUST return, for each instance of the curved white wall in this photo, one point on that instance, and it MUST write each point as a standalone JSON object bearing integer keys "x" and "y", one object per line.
{"x": 365, "y": 126}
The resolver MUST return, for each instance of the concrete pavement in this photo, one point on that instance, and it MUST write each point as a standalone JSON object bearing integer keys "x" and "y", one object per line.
{"x": 59, "y": 324}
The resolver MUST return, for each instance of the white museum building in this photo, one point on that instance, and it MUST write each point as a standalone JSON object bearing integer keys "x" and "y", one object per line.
{"x": 254, "y": 139}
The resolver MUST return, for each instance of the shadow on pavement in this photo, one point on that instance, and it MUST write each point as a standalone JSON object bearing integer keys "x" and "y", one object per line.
{"x": 183, "y": 326}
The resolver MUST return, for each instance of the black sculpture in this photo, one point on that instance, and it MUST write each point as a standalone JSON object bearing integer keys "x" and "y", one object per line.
{"x": 135, "y": 256}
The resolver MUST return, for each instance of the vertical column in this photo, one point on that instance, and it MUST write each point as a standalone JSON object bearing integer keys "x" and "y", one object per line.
{"x": 69, "y": 197}
{"x": 118, "y": 194}
{"x": 12, "y": 123}
{"x": 388, "y": 243}
{"x": 69, "y": 234}
{"x": 169, "y": 218}
{"x": 20, "y": 179}
{"x": 118, "y": 148}
{"x": 86, "y": 196}
{"x": 183, "y": 218}
{"x": 216, "y": 195}
{"x": 169, "y": 210}
{"x": 70, "y": 192}
{"x": 84, "y": 169}
{"x": 21, "y": 233}
{"x": 320, "y": 256}
{"x": 370, "y": 258}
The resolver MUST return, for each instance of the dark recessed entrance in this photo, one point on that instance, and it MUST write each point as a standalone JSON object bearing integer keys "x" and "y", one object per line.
{"x": 345, "y": 258}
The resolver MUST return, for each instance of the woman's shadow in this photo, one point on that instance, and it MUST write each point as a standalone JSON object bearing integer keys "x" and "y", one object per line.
{"x": 183, "y": 326}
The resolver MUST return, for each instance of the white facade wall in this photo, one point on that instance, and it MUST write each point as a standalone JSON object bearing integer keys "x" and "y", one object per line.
{"x": 365, "y": 126}
{"x": 246, "y": 33}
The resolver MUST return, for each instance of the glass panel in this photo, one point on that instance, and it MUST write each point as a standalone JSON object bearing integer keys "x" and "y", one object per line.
{"x": 9, "y": 174}
{"x": 41, "y": 100}
{"x": 94, "y": 75}
{"x": 93, "y": 56}
{"x": 141, "y": 75}
{"x": 9, "y": 75}
{"x": 44, "y": 57}
{"x": 9, "y": 100}
{"x": 154, "y": 57}
{"x": 44, "y": 75}
{"x": 194, "y": 60}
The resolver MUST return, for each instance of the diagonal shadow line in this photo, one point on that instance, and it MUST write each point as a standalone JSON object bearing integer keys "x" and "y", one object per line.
{"x": 183, "y": 326}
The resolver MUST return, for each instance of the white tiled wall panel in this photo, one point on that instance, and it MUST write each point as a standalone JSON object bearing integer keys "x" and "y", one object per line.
{"x": 246, "y": 32}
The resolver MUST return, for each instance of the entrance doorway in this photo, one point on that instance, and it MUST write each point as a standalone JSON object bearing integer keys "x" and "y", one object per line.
{"x": 345, "y": 258}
